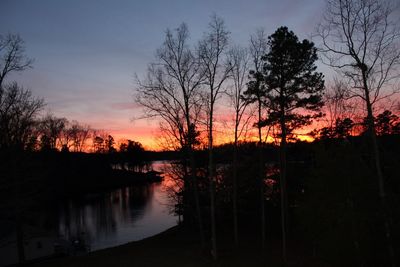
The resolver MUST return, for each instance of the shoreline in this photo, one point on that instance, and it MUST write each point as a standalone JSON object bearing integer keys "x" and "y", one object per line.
{"x": 179, "y": 246}
{"x": 162, "y": 249}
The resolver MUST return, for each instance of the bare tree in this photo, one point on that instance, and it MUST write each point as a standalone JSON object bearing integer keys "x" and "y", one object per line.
{"x": 18, "y": 112}
{"x": 338, "y": 106}
{"x": 171, "y": 91}
{"x": 51, "y": 128}
{"x": 65, "y": 138}
{"x": 12, "y": 57}
{"x": 239, "y": 61}
{"x": 212, "y": 49}
{"x": 256, "y": 94}
{"x": 256, "y": 89}
{"x": 78, "y": 135}
{"x": 361, "y": 40}
{"x": 99, "y": 139}
{"x": 18, "y": 107}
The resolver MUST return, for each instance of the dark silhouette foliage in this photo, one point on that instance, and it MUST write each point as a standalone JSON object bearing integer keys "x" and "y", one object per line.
{"x": 291, "y": 81}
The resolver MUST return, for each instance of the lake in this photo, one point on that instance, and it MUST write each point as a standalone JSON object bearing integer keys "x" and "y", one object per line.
{"x": 100, "y": 220}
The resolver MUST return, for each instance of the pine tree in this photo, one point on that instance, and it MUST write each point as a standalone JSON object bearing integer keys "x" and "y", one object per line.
{"x": 294, "y": 92}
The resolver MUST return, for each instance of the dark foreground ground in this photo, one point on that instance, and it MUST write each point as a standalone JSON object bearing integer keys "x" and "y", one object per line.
{"x": 178, "y": 247}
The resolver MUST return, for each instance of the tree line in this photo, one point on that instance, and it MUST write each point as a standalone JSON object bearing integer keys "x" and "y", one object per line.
{"x": 274, "y": 90}
{"x": 274, "y": 87}
{"x": 22, "y": 124}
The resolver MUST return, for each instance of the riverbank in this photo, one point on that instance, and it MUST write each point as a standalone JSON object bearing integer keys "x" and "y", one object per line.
{"x": 179, "y": 247}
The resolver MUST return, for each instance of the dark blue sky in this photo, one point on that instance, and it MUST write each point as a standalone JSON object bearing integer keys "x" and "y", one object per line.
{"x": 87, "y": 51}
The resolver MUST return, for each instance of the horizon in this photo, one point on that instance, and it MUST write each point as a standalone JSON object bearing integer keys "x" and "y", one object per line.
{"x": 281, "y": 120}
{"x": 87, "y": 54}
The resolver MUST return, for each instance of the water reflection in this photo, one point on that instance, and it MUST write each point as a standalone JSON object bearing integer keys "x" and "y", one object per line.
{"x": 103, "y": 220}
{"x": 117, "y": 217}
{"x": 113, "y": 218}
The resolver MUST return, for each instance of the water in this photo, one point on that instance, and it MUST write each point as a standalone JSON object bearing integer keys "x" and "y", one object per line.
{"x": 102, "y": 220}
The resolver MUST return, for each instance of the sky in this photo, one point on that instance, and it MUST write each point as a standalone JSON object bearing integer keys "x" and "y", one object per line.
{"x": 87, "y": 52}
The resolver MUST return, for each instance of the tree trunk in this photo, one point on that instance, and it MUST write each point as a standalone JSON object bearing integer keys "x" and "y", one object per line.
{"x": 196, "y": 196}
{"x": 262, "y": 196}
{"x": 261, "y": 178}
{"x": 378, "y": 168}
{"x": 234, "y": 196}
{"x": 284, "y": 211}
{"x": 193, "y": 175}
{"x": 186, "y": 191}
{"x": 212, "y": 189}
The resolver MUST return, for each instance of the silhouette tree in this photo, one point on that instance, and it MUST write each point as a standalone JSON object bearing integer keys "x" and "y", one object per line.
{"x": 78, "y": 134}
{"x": 51, "y": 128}
{"x": 256, "y": 88}
{"x": 212, "y": 49}
{"x": 18, "y": 112}
{"x": 135, "y": 155}
{"x": 98, "y": 144}
{"x": 239, "y": 61}
{"x": 110, "y": 144}
{"x": 360, "y": 39}
{"x": 387, "y": 123}
{"x": 12, "y": 56}
{"x": 18, "y": 107}
{"x": 171, "y": 91}
{"x": 338, "y": 104}
{"x": 255, "y": 93}
{"x": 294, "y": 90}
{"x": 341, "y": 129}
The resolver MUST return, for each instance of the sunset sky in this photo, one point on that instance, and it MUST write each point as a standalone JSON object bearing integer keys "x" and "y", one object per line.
{"x": 87, "y": 52}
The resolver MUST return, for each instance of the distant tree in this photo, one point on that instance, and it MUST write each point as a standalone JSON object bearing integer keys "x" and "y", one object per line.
{"x": 12, "y": 56}
{"x": 98, "y": 144}
{"x": 340, "y": 129}
{"x": 134, "y": 147}
{"x": 65, "y": 138}
{"x": 110, "y": 144}
{"x": 135, "y": 155}
{"x": 387, "y": 123}
{"x": 122, "y": 147}
{"x": 18, "y": 113}
{"x": 294, "y": 90}
{"x": 360, "y": 39}
{"x": 343, "y": 127}
{"x": 78, "y": 134}
{"x": 212, "y": 49}
{"x": 338, "y": 104}
{"x": 51, "y": 128}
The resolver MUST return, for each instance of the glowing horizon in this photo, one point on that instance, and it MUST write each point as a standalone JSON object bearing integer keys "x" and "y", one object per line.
{"x": 151, "y": 141}
{"x": 87, "y": 53}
